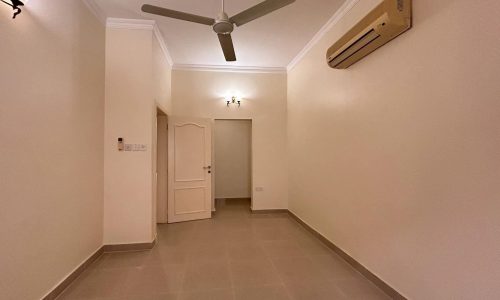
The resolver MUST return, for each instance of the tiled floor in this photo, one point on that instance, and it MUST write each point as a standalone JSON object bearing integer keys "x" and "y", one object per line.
{"x": 235, "y": 255}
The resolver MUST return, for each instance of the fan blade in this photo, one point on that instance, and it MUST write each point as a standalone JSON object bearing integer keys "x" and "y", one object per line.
{"x": 258, "y": 11}
{"x": 151, "y": 9}
{"x": 226, "y": 43}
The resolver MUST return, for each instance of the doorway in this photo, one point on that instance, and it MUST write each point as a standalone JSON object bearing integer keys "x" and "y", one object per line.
{"x": 161, "y": 167}
{"x": 233, "y": 163}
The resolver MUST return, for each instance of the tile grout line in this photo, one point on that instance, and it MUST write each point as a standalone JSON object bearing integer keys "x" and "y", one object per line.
{"x": 281, "y": 279}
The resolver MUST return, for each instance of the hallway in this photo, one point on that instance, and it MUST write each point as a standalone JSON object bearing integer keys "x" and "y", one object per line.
{"x": 236, "y": 255}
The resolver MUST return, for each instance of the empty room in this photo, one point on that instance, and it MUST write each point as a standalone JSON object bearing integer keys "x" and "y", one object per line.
{"x": 249, "y": 149}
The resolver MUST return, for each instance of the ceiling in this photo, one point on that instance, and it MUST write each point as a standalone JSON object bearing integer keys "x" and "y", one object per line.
{"x": 271, "y": 41}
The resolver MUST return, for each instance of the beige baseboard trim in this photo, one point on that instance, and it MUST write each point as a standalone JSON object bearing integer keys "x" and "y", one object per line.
{"x": 104, "y": 249}
{"x": 129, "y": 247}
{"x": 71, "y": 277}
{"x": 269, "y": 211}
{"x": 350, "y": 260}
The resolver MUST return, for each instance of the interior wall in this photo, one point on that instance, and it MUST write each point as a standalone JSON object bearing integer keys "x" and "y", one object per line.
{"x": 203, "y": 94}
{"x": 162, "y": 79}
{"x": 396, "y": 159}
{"x": 51, "y": 161}
{"x": 233, "y": 158}
{"x": 131, "y": 114}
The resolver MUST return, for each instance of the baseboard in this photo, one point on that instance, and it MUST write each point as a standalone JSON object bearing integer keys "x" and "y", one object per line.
{"x": 104, "y": 249}
{"x": 269, "y": 211}
{"x": 129, "y": 247}
{"x": 394, "y": 294}
{"x": 350, "y": 260}
{"x": 73, "y": 275}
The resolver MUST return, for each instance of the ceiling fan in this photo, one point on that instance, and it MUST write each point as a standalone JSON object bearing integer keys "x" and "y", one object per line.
{"x": 222, "y": 25}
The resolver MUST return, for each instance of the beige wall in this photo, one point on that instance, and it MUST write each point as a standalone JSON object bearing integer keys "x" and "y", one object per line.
{"x": 396, "y": 160}
{"x": 138, "y": 80}
{"x": 130, "y": 113}
{"x": 201, "y": 94}
{"x": 233, "y": 158}
{"x": 162, "y": 79}
{"x": 51, "y": 160}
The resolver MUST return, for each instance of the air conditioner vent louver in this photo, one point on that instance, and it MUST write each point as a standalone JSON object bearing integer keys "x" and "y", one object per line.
{"x": 384, "y": 23}
{"x": 354, "y": 48}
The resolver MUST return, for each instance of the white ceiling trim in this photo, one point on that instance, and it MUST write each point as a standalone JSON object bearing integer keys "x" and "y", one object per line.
{"x": 343, "y": 10}
{"x": 96, "y": 10}
{"x": 163, "y": 44}
{"x": 234, "y": 69}
{"x": 139, "y": 24}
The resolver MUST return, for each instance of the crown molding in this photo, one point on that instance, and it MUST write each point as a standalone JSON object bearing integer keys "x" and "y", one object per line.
{"x": 341, "y": 12}
{"x": 95, "y": 10}
{"x": 234, "y": 69}
{"x": 136, "y": 24}
{"x": 163, "y": 45}
{"x": 140, "y": 24}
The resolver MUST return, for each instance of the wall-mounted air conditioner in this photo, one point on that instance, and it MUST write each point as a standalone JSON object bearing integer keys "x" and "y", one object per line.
{"x": 388, "y": 20}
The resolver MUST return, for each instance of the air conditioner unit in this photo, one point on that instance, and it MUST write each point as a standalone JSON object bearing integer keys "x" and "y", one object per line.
{"x": 388, "y": 20}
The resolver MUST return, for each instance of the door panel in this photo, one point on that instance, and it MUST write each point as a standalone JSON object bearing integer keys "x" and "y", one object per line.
{"x": 190, "y": 200}
{"x": 190, "y": 180}
{"x": 189, "y": 152}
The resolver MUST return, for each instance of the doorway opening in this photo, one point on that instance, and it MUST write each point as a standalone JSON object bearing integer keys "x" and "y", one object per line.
{"x": 233, "y": 164}
{"x": 161, "y": 167}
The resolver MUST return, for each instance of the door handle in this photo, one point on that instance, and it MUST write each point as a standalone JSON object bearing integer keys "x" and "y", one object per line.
{"x": 207, "y": 168}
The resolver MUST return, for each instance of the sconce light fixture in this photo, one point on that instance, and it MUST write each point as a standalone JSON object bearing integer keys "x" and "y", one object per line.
{"x": 233, "y": 101}
{"x": 15, "y": 6}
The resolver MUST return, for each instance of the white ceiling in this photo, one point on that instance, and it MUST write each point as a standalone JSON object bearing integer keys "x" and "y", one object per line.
{"x": 271, "y": 41}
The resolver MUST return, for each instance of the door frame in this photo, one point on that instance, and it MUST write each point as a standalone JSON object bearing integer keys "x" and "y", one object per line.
{"x": 161, "y": 167}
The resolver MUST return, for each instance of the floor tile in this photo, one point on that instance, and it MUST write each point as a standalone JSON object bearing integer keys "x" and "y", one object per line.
{"x": 282, "y": 249}
{"x": 208, "y": 252}
{"x": 271, "y": 234}
{"x": 226, "y": 294}
{"x": 167, "y": 255}
{"x": 298, "y": 269}
{"x": 273, "y": 292}
{"x": 122, "y": 259}
{"x": 245, "y": 251}
{"x": 360, "y": 289}
{"x": 312, "y": 246}
{"x": 169, "y": 296}
{"x": 308, "y": 290}
{"x": 100, "y": 283}
{"x": 154, "y": 280}
{"x": 207, "y": 276}
{"x": 257, "y": 272}
{"x": 335, "y": 267}
{"x": 236, "y": 255}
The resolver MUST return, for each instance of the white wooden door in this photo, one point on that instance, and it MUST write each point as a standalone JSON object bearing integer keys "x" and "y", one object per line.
{"x": 189, "y": 169}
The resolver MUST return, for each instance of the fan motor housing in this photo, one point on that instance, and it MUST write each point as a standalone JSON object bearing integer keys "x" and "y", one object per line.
{"x": 223, "y": 25}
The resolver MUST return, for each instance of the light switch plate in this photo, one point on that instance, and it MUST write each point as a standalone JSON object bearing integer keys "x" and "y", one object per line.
{"x": 135, "y": 147}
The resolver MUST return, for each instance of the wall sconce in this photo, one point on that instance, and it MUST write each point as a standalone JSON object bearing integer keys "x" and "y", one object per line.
{"x": 15, "y": 6}
{"x": 233, "y": 101}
